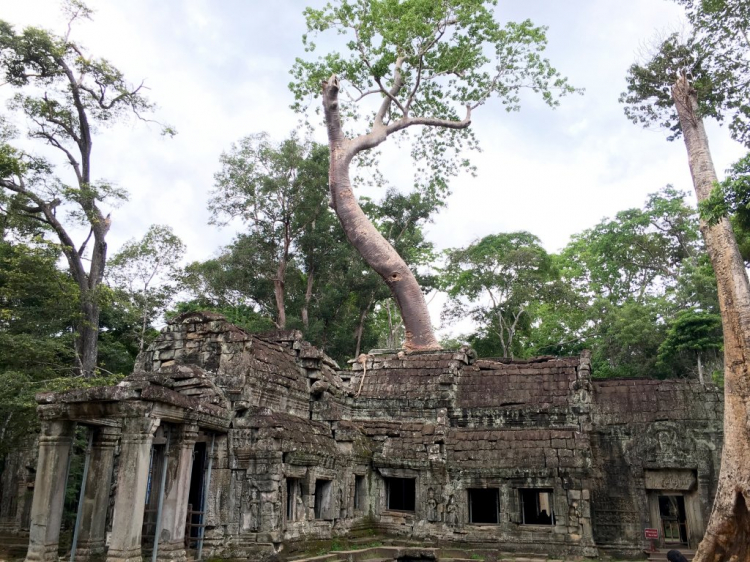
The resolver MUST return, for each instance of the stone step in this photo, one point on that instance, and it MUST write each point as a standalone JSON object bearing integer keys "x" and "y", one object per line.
{"x": 388, "y": 554}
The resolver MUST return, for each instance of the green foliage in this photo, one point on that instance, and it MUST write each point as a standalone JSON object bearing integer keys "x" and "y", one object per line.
{"x": 496, "y": 281}
{"x": 243, "y": 316}
{"x": 713, "y": 57}
{"x": 618, "y": 289}
{"x": 691, "y": 337}
{"x": 433, "y": 60}
{"x": 731, "y": 198}
{"x": 279, "y": 193}
{"x": 293, "y": 239}
{"x": 38, "y": 313}
{"x": 62, "y": 96}
{"x": 721, "y": 31}
{"x": 144, "y": 273}
{"x": 637, "y": 272}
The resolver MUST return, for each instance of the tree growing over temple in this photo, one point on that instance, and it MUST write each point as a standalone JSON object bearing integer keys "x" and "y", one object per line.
{"x": 64, "y": 95}
{"x": 706, "y": 75}
{"x": 414, "y": 64}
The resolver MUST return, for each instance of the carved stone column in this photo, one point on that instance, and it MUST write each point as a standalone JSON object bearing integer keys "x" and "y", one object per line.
{"x": 92, "y": 526}
{"x": 174, "y": 511}
{"x": 49, "y": 490}
{"x": 132, "y": 482}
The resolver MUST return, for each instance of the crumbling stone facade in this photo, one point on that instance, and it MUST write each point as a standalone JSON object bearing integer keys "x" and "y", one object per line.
{"x": 265, "y": 442}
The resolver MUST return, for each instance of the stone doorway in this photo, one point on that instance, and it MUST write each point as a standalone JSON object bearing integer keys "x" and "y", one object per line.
{"x": 196, "y": 493}
{"x": 674, "y": 526}
{"x": 674, "y": 500}
{"x": 155, "y": 475}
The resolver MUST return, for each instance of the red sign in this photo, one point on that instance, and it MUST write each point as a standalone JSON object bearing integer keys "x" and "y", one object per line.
{"x": 652, "y": 533}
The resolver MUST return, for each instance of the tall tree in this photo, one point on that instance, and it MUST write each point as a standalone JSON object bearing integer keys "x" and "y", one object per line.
{"x": 64, "y": 94}
{"x": 681, "y": 85}
{"x": 330, "y": 293}
{"x": 695, "y": 335}
{"x": 495, "y": 281}
{"x": 408, "y": 64}
{"x": 629, "y": 277}
{"x": 144, "y": 271}
{"x": 277, "y": 191}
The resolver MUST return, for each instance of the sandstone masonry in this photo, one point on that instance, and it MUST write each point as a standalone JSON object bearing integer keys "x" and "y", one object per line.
{"x": 241, "y": 445}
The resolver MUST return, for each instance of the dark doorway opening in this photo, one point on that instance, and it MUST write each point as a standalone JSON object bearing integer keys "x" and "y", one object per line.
{"x": 359, "y": 492}
{"x": 294, "y": 506}
{"x": 401, "y": 493}
{"x": 673, "y": 519}
{"x": 323, "y": 508}
{"x": 537, "y": 507}
{"x": 483, "y": 505}
{"x": 155, "y": 472}
{"x": 196, "y": 494}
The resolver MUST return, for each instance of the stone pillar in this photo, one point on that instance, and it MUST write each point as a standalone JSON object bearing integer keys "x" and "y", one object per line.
{"x": 132, "y": 481}
{"x": 174, "y": 511}
{"x": 49, "y": 490}
{"x": 92, "y": 526}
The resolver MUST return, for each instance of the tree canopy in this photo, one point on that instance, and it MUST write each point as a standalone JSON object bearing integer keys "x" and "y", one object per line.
{"x": 64, "y": 96}
{"x": 408, "y": 64}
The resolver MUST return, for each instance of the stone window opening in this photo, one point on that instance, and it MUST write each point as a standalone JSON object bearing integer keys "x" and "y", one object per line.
{"x": 323, "y": 508}
{"x": 484, "y": 505}
{"x": 293, "y": 499}
{"x": 537, "y": 507}
{"x": 359, "y": 492}
{"x": 401, "y": 493}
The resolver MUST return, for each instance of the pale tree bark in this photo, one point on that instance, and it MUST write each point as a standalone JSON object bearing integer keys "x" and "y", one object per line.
{"x": 278, "y": 291}
{"x": 279, "y": 282}
{"x": 362, "y": 234}
{"x": 728, "y": 531}
{"x": 308, "y": 298}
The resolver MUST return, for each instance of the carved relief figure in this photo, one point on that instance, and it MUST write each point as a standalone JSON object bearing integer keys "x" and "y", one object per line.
{"x": 432, "y": 512}
{"x": 254, "y": 512}
{"x": 451, "y": 517}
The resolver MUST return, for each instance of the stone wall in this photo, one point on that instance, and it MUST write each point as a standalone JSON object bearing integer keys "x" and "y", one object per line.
{"x": 646, "y": 428}
{"x": 526, "y": 456}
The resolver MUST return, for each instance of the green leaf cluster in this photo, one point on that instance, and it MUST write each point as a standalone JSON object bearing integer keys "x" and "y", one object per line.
{"x": 635, "y": 289}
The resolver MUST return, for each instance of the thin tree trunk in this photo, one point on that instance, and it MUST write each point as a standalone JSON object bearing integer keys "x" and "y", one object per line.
{"x": 142, "y": 338}
{"x": 361, "y": 233}
{"x": 361, "y": 327}
{"x": 278, "y": 291}
{"x": 700, "y": 369}
{"x": 728, "y": 530}
{"x": 308, "y": 298}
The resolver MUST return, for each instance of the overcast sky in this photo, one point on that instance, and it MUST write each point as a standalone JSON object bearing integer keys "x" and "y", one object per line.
{"x": 219, "y": 69}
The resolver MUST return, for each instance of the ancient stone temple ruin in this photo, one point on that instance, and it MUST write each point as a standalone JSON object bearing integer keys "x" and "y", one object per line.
{"x": 224, "y": 444}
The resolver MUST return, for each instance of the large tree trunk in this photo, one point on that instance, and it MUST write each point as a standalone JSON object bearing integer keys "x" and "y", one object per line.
{"x": 88, "y": 335}
{"x": 363, "y": 235}
{"x": 728, "y": 530}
